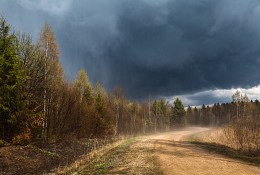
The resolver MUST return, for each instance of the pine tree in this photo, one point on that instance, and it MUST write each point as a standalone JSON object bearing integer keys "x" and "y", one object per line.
{"x": 203, "y": 115}
{"x": 156, "y": 111}
{"x": 11, "y": 80}
{"x": 190, "y": 116}
{"x": 178, "y": 113}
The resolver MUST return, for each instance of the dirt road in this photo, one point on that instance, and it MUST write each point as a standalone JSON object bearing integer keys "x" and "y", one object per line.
{"x": 169, "y": 154}
{"x": 176, "y": 156}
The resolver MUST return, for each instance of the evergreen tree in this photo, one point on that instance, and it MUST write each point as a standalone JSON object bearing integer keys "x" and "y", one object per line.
{"x": 178, "y": 113}
{"x": 196, "y": 114}
{"x": 156, "y": 110}
{"x": 11, "y": 80}
{"x": 190, "y": 116}
{"x": 203, "y": 115}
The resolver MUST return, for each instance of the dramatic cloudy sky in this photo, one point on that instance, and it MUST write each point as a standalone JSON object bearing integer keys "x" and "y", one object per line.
{"x": 200, "y": 50}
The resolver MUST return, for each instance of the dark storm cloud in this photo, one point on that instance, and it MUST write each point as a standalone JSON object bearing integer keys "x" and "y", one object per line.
{"x": 153, "y": 47}
{"x": 184, "y": 46}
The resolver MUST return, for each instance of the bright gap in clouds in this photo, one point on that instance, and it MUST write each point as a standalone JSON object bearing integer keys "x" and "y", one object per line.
{"x": 216, "y": 96}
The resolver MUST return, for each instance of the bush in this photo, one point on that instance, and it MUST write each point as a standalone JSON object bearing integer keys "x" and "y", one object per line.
{"x": 21, "y": 139}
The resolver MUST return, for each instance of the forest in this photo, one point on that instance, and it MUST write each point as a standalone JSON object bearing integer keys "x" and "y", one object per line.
{"x": 38, "y": 103}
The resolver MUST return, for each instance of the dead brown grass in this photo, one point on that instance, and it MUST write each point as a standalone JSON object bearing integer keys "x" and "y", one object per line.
{"x": 57, "y": 157}
{"x": 243, "y": 136}
{"x": 132, "y": 156}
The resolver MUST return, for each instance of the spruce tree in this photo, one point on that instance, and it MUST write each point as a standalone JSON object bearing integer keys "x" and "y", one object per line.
{"x": 11, "y": 79}
{"x": 178, "y": 113}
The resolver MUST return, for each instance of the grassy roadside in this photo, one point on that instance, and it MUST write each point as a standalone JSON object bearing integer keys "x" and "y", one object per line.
{"x": 227, "y": 151}
{"x": 60, "y": 157}
{"x": 199, "y": 140}
{"x": 79, "y": 157}
{"x": 102, "y": 164}
{"x": 130, "y": 157}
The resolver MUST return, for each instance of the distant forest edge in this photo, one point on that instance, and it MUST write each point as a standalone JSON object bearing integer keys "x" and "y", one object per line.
{"x": 38, "y": 103}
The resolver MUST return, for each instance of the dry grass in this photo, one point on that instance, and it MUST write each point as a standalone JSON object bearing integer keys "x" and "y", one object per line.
{"x": 242, "y": 135}
{"x": 132, "y": 156}
{"x": 240, "y": 140}
{"x": 61, "y": 157}
{"x": 96, "y": 149}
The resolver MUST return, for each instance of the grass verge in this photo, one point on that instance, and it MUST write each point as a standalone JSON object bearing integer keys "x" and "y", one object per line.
{"x": 203, "y": 141}
{"x": 132, "y": 156}
{"x": 102, "y": 164}
{"x": 227, "y": 151}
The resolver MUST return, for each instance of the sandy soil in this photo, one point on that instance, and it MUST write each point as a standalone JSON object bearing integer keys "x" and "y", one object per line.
{"x": 176, "y": 156}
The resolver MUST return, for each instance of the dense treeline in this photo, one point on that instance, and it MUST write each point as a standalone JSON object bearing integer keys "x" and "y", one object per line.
{"x": 239, "y": 109}
{"x": 37, "y": 102}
